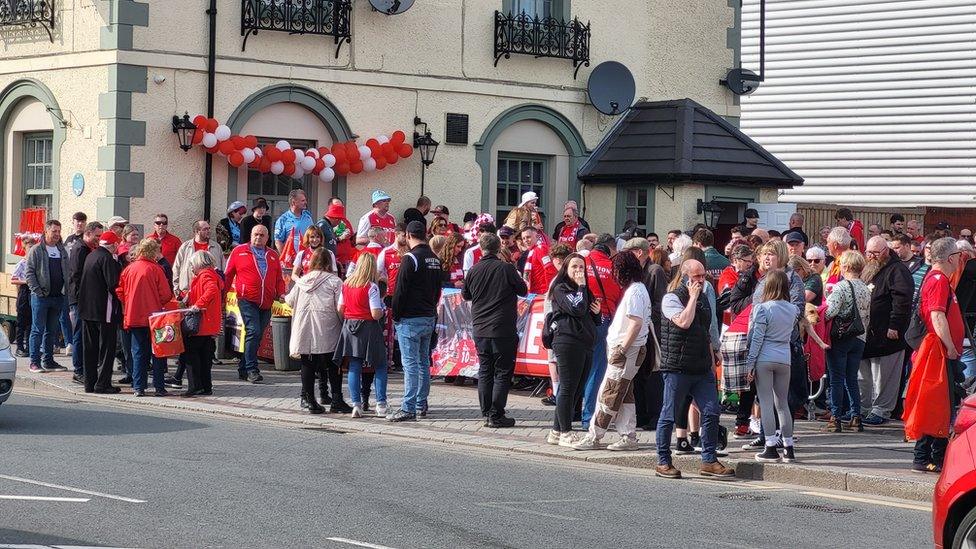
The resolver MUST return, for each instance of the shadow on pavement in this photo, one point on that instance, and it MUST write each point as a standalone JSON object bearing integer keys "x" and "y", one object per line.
{"x": 30, "y": 539}
{"x": 29, "y": 419}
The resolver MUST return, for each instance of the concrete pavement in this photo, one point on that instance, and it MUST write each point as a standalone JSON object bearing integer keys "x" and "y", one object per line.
{"x": 874, "y": 462}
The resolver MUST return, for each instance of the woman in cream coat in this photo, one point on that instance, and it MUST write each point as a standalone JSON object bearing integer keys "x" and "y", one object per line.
{"x": 315, "y": 327}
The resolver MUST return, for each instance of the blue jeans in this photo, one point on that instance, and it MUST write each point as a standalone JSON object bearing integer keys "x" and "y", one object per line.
{"x": 256, "y": 320}
{"x": 703, "y": 390}
{"x": 968, "y": 359}
{"x": 66, "y": 332}
{"x": 355, "y": 381}
{"x": 141, "y": 358}
{"x": 592, "y": 387}
{"x": 414, "y": 334}
{"x": 77, "y": 355}
{"x": 843, "y": 362}
{"x": 45, "y": 315}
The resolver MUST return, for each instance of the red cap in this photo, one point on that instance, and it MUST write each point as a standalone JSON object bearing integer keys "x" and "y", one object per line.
{"x": 336, "y": 211}
{"x": 108, "y": 238}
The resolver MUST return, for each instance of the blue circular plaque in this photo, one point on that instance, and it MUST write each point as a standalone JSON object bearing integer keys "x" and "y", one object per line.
{"x": 78, "y": 184}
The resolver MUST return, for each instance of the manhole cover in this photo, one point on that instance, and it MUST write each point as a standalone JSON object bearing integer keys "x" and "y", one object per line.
{"x": 821, "y": 508}
{"x": 743, "y": 497}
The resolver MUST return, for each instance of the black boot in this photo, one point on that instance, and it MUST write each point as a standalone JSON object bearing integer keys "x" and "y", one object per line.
{"x": 339, "y": 406}
{"x": 304, "y": 400}
{"x": 313, "y": 406}
{"x": 324, "y": 390}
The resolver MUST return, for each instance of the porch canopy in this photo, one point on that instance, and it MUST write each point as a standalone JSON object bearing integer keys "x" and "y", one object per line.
{"x": 680, "y": 141}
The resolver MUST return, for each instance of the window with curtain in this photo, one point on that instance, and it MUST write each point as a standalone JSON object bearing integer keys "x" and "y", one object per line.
{"x": 36, "y": 180}
{"x": 518, "y": 174}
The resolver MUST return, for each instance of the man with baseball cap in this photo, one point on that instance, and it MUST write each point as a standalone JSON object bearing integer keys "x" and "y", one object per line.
{"x": 794, "y": 241}
{"x": 751, "y": 221}
{"x": 442, "y": 212}
{"x": 116, "y": 223}
{"x": 379, "y": 216}
{"x": 414, "y": 305}
{"x": 101, "y": 311}
{"x": 229, "y": 228}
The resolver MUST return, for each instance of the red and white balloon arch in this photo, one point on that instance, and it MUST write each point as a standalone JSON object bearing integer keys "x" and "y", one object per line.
{"x": 281, "y": 159}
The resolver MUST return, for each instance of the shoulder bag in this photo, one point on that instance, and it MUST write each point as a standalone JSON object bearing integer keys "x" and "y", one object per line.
{"x": 850, "y": 325}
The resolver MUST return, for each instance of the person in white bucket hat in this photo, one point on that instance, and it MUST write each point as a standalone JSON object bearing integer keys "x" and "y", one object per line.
{"x": 526, "y": 214}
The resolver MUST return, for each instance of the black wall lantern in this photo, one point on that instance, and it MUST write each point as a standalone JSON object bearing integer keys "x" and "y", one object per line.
{"x": 427, "y": 147}
{"x": 712, "y": 212}
{"x": 184, "y": 128}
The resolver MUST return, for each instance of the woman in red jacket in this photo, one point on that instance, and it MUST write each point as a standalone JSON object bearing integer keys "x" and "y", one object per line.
{"x": 144, "y": 289}
{"x": 206, "y": 290}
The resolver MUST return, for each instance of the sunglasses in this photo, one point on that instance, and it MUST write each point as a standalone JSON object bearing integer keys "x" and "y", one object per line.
{"x": 815, "y": 260}
{"x": 161, "y": 222}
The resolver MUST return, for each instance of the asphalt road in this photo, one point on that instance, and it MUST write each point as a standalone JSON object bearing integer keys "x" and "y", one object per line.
{"x": 118, "y": 476}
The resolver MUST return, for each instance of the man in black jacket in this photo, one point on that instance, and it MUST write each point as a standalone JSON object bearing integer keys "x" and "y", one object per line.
{"x": 493, "y": 287}
{"x": 414, "y": 305}
{"x": 76, "y": 263}
{"x": 101, "y": 311}
{"x": 884, "y": 352}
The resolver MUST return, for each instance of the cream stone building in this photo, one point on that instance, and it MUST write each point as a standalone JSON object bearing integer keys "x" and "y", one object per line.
{"x": 89, "y": 90}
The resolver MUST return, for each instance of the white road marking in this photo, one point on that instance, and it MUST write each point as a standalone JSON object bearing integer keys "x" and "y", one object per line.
{"x": 46, "y": 498}
{"x": 898, "y": 504}
{"x": 70, "y": 489}
{"x": 358, "y": 543}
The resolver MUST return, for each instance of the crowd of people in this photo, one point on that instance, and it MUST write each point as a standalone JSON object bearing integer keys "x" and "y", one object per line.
{"x": 641, "y": 332}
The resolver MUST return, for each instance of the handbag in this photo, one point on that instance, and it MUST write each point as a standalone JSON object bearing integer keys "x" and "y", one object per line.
{"x": 851, "y": 326}
{"x": 190, "y": 324}
{"x": 548, "y": 330}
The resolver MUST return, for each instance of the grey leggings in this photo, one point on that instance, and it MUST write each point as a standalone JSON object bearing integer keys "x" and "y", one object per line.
{"x": 772, "y": 389}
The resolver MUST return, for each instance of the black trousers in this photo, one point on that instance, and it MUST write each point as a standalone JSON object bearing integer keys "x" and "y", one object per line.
{"x": 929, "y": 449}
{"x": 328, "y": 374}
{"x": 24, "y": 318}
{"x": 98, "y": 344}
{"x": 496, "y": 359}
{"x": 573, "y": 364}
{"x": 746, "y": 400}
{"x": 198, "y": 358}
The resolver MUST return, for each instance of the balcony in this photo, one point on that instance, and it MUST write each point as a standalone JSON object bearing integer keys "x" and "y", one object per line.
{"x": 317, "y": 17}
{"x": 549, "y": 37}
{"x": 28, "y": 13}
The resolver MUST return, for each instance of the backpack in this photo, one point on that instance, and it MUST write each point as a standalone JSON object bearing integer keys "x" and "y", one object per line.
{"x": 917, "y": 330}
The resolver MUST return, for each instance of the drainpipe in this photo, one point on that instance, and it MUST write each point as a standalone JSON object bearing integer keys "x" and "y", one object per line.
{"x": 211, "y": 77}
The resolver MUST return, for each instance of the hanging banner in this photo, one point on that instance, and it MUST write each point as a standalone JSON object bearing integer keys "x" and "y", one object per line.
{"x": 234, "y": 325}
{"x": 456, "y": 355}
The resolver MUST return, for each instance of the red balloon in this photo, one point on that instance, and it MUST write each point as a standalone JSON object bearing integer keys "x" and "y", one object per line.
{"x": 405, "y": 150}
{"x": 380, "y": 162}
{"x": 256, "y": 163}
{"x": 339, "y": 153}
{"x": 212, "y": 150}
{"x": 265, "y": 165}
{"x": 197, "y": 137}
{"x": 375, "y": 150}
{"x": 342, "y": 168}
{"x": 352, "y": 150}
{"x": 212, "y": 125}
{"x": 392, "y": 158}
{"x": 288, "y": 156}
{"x": 238, "y": 142}
{"x": 323, "y": 151}
{"x": 319, "y": 166}
{"x": 236, "y": 159}
{"x": 398, "y": 137}
{"x": 372, "y": 143}
{"x": 250, "y": 141}
{"x": 226, "y": 147}
{"x": 356, "y": 167}
{"x": 200, "y": 121}
{"x": 272, "y": 154}
{"x": 289, "y": 169}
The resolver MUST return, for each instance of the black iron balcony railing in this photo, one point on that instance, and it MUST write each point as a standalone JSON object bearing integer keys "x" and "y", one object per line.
{"x": 319, "y": 17}
{"x": 28, "y": 13}
{"x": 548, "y": 37}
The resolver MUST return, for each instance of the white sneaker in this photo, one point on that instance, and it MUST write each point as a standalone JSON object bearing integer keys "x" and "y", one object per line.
{"x": 357, "y": 411}
{"x": 380, "y": 409}
{"x": 567, "y": 440}
{"x": 588, "y": 442}
{"x": 552, "y": 437}
{"x": 623, "y": 445}
{"x": 68, "y": 350}
{"x": 755, "y": 425}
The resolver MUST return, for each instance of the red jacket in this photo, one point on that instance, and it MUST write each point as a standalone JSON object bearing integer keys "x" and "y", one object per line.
{"x": 143, "y": 290}
{"x": 612, "y": 295}
{"x": 242, "y": 274}
{"x": 206, "y": 290}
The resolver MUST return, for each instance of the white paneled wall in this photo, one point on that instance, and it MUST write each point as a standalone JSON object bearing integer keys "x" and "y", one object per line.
{"x": 871, "y": 102}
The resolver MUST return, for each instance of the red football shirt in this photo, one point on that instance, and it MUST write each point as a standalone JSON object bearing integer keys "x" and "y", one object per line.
{"x": 539, "y": 269}
{"x": 934, "y": 296}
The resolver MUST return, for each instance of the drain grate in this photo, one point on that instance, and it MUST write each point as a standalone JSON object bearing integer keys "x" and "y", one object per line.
{"x": 819, "y": 507}
{"x": 743, "y": 496}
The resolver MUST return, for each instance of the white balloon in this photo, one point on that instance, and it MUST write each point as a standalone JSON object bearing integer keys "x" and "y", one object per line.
{"x": 364, "y": 152}
{"x": 299, "y": 155}
{"x": 278, "y": 167}
{"x": 314, "y": 153}
{"x": 327, "y": 175}
{"x": 330, "y": 160}
{"x": 299, "y": 173}
{"x": 308, "y": 163}
{"x": 222, "y": 133}
{"x": 282, "y": 145}
{"x": 383, "y": 139}
{"x": 209, "y": 140}
{"x": 248, "y": 155}
{"x": 258, "y": 152}
{"x": 369, "y": 165}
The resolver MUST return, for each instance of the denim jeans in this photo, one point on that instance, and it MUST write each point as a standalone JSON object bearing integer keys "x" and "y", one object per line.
{"x": 256, "y": 320}
{"x": 66, "y": 332}
{"x": 414, "y": 334}
{"x": 355, "y": 381}
{"x": 592, "y": 387}
{"x": 141, "y": 358}
{"x": 843, "y": 362}
{"x": 46, "y": 313}
{"x": 968, "y": 358}
{"x": 77, "y": 355}
{"x": 703, "y": 390}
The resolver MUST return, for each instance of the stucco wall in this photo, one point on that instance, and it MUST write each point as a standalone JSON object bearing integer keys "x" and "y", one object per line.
{"x": 679, "y": 213}
{"x": 599, "y": 208}
{"x": 76, "y": 29}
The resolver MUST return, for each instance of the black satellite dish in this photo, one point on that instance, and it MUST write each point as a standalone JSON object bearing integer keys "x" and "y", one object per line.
{"x": 391, "y": 7}
{"x": 742, "y": 81}
{"x": 611, "y": 88}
